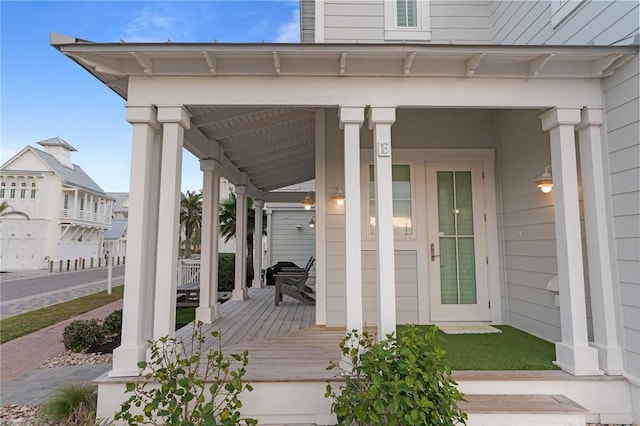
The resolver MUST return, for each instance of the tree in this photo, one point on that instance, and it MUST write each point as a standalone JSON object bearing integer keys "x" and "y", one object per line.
{"x": 7, "y": 210}
{"x": 190, "y": 218}
{"x": 228, "y": 226}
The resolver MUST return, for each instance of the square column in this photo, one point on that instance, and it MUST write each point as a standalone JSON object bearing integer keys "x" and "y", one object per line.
{"x": 209, "y": 308}
{"x": 240, "y": 286}
{"x": 351, "y": 119}
{"x": 257, "y": 245}
{"x": 573, "y": 353}
{"x": 605, "y": 333}
{"x": 174, "y": 119}
{"x": 137, "y": 311}
{"x": 380, "y": 120}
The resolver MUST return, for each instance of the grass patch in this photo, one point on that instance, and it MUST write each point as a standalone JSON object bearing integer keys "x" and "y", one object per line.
{"x": 185, "y": 315}
{"x": 29, "y": 322}
{"x": 510, "y": 350}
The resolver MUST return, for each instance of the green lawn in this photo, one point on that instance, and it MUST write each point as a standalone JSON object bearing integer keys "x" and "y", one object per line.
{"x": 510, "y": 350}
{"x": 29, "y": 322}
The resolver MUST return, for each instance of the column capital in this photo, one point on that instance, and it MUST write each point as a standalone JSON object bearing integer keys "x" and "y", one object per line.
{"x": 258, "y": 204}
{"x": 174, "y": 114}
{"x": 591, "y": 116}
{"x": 241, "y": 189}
{"x": 381, "y": 115}
{"x": 351, "y": 115}
{"x": 560, "y": 115}
{"x": 143, "y": 115}
{"x": 210, "y": 165}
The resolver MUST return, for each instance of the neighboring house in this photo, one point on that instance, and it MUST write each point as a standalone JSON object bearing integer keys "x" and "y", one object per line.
{"x": 115, "y": 238}
{"x": 68, "y": 211}
{"x": 457, "y": 108}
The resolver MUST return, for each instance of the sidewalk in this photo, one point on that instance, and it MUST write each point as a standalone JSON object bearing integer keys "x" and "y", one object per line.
{"x": 20, "y": 376}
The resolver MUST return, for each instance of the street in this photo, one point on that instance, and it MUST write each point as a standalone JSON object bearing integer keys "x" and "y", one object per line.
{"x": 27, "y": 293}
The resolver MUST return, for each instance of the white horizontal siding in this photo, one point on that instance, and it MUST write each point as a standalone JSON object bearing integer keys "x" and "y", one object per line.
{"x": 287, "y": 242}
{"x": 622, "y": 96}
{"x": 592, "y": 22}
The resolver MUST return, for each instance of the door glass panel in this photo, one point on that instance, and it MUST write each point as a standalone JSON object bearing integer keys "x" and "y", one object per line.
{"x": 457, "y": 251}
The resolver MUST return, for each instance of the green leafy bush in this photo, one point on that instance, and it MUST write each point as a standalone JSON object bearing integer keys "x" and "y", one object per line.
{"x": 188, "y": 393}
{"x": 226, "y": 271}
{"x": 397, "y": 381}
{"x": 112, "y": 323}
{"x": 82, "y": 334}
{"x": 72, "y": 404}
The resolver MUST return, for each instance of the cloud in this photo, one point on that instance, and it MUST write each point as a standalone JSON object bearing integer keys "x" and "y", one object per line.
{"x": 289, "y": 32}
{"x": 149, "y": 24}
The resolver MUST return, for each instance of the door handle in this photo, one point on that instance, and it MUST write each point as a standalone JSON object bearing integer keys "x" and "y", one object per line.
{"x": 433, "y": 252}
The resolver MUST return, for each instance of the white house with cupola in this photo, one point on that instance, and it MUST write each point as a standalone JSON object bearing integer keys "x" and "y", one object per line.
{"x": 474, "y": 163}
{"x": 68, "y": 212}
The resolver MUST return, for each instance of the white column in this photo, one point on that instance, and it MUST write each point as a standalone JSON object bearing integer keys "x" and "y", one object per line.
{"x": 174, "y": 119}
{"x": 351, "y": 119}
{"x": 605, "y": 333}
{"x": 240, "y": 286}
{"x": 573, "y": 353}
{"x": 138, "y": 276}
{"x": 269, "y": 240}
{"x": 257, "y": 245}
{"x": 209, "y": 308}
{"x": 380, "y": 120}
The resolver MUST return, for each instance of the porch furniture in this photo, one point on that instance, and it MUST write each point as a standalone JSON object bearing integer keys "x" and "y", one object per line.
{"x": 188, "y": 295}
{"x": 293, "y": 283}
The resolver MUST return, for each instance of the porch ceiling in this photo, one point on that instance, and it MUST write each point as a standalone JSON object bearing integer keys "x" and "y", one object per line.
{"x": 275, "y": 147}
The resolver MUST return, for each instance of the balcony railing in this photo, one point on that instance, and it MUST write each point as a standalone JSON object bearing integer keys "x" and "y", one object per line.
{"x": 188, "y": 271}
{"x": 85, "y": 216}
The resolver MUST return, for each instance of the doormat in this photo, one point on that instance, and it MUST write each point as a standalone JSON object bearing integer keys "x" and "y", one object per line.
{"x": 469, "y": 329}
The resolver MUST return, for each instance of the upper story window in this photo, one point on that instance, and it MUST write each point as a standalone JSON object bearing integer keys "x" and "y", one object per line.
{"x": 33, "y": 190}
{"x": 402, "y": 209}
{"x": 2, "y": 188}
{"x": 66, "y": 201}
{"x": 561, "y": 9}
{"x": 12, "y": 191}
{"x": 82, "y": 204}
{"x": 23, "y": 190}
{"x": 407, "y": 20}
{"x": 95, "y": 207}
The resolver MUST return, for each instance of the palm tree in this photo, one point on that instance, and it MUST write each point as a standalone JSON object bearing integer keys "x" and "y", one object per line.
{"x": 228, "y": 226}
{"x": 190, "y": 218}
{"x": 6, "y": 210}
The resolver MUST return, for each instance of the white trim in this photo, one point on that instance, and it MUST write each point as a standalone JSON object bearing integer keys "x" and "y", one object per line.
{"x": 321, "y": 222}
{"x": 561, "y": 9}
{"x": 422, "y": 32}
{"x": 319, "y": 21}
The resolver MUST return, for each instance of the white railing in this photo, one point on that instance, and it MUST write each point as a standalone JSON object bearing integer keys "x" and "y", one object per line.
{"x": 85, "y": 216}
{"x": 188, "y": 271}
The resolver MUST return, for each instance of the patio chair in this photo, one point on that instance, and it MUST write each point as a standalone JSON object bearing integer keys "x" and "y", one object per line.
{"x": 293, "y": 283}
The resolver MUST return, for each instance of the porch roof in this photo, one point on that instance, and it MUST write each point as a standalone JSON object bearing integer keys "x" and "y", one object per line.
{"x": 269, "y": 147}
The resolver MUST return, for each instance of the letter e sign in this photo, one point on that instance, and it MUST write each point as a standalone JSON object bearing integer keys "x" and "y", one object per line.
{"x": 384, "y": 149}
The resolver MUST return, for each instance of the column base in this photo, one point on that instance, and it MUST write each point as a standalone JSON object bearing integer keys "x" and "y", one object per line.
{"x": 208, "y": 314}
{"x": 258, "y": 283}
{"x": 610, "y": 358}
{"x": 579, "y": 361}
{"x": 239, "y": 294}
{"x": 125, "y": 360}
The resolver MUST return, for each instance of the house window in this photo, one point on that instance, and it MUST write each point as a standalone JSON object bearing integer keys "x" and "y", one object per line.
{"x": 33, "y": 190}
{"x": 561, "y": 9}
{"x": 407, "y": 20}
{"x": 2, "y": 188}
{"x": 12, "y": 192}
{"x": 402, "y": 210}
{"x": 23, "y": 189}
{"x": 66, "y": 201}
{"x": 81, "y": 204}
{"x": 95, "y": 208}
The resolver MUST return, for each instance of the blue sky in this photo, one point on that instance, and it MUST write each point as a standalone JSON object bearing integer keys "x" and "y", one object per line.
{"x": 44, "y": 94}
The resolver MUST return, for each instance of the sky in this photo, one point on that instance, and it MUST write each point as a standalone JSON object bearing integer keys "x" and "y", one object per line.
{"x": 44, "y": 94}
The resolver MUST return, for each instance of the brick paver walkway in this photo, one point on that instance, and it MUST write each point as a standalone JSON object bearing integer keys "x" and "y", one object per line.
{"x": 25, "y": 354}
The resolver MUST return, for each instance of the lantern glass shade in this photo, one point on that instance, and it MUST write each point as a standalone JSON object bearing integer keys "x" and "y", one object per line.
{"x": 307, "y": 202}
{"x": 545, "y": 182}
{"x": 338, "y": 197}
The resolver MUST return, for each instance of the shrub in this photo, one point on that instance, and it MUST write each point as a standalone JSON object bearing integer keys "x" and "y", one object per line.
{"x": 71, "y": 404}
{"x": 188, "y": 393}
{"x": 112, "y": 323}
{"x": 226, "y": 271}
{"x": 397, "y": 381}
{"x": 82, "y": 334}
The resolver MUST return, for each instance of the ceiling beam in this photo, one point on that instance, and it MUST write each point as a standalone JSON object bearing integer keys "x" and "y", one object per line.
{"x": 536, "y": 65}
{"x": 278, "y": 168}
{"x": 235, "y": 147}
{"x": 269, "y": 156}
{"x": 281, "y": 119}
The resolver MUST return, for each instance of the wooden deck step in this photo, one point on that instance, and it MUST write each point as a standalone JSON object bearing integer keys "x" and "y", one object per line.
{"x": 523, "y": 404}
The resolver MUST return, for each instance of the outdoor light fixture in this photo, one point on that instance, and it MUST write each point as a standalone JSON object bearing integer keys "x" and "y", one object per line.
{"x": 307, "y": 202}
{"x": 338, "y": 197}
{"x": 312, "y": 222}
{"x": 545, "y": 182}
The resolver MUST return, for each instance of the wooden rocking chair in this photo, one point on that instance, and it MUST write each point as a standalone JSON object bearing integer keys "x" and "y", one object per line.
{"x": 293, "y": 283}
